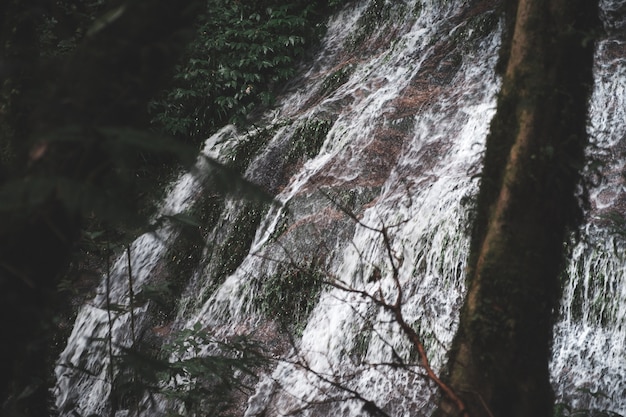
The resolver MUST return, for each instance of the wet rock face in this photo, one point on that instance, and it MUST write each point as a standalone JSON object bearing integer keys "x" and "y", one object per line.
{"x": 588, "y": 352}
{"x": 353, "y": 148}
{"x": 386, "y": 128}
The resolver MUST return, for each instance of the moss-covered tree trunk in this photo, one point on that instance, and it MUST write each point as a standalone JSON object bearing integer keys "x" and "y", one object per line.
{"x": 527, "y": 204}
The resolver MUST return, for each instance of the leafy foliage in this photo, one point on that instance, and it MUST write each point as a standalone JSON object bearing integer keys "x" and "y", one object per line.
{"x": 242, "y": 52}
{"x": 64, "y": 24}
{"x": 74, "y": 137}
{"x": 195, "y": 372}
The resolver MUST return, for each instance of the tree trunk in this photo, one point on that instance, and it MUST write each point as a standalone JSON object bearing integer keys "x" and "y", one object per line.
{"x": 526, "y": 207}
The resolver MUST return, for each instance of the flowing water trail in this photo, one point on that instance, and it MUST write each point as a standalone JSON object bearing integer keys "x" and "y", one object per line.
{"x": 103, "y": 327}
{"x": 410, "y": 122}
{"x": 384, "y": 130}
{"x": 589, "y": 362}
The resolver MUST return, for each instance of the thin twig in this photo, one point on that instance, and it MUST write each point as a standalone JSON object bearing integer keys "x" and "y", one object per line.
{"x": 108, "y": 307}
{"x": 131, "y": 295}
{"x": 368, "y": 405}
{"x": 414, "y": 338}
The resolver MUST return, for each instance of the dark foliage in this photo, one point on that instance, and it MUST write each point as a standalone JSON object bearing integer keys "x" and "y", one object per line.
{"x": 77, "y": 145}
{"x": 63, "y": 108}
{"x": 242, "y": 53}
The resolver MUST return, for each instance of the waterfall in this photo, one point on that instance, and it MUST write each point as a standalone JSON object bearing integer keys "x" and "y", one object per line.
{"x": 589, "y": 366}
{"x": 371, "y": 156}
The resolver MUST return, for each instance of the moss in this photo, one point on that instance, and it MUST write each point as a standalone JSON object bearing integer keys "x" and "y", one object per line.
{"x": 307, "y": 140}
{"x": 337, "y": 79}
{"x": 251, "y": 145}
{"x": 351, "y": 200}
{"x": 281, "y": 227}
{"x": 228, "y": 248}
{"x": 590, "y": 298}
{"x": 290, "y": 294}
{"x": 183, "y": 257}
{"x": 360, "y": 344}
{"x": 236, "y": 246}
{"x": 378, "y": 13}
{"x": 404, "y": 124}
{"x": 417, "y": 9}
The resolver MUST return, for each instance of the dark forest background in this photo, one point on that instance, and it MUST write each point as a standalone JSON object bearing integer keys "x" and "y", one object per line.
{"x": 100, "y": 103}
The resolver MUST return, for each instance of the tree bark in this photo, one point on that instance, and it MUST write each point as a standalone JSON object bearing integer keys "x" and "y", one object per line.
{"x": 526, "y": 207}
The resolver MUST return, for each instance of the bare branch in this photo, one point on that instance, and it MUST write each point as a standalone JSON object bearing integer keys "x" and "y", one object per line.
{"x": 396, "y": 310}
{"x": 368, "y": 405}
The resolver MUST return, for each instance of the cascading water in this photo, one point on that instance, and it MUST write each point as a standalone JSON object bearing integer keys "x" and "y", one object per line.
{"x": 589, "y": 362}
{"x": 101, "y": 329}
{"x": 371, "y": 158}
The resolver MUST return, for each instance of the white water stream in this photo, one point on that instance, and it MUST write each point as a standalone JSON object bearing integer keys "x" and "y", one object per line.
{"x": 408, "y": 124}
{"x": 589, "y": 362}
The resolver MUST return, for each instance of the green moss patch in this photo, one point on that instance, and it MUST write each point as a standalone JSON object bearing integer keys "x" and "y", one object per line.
{"x": 290, "y": 294}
